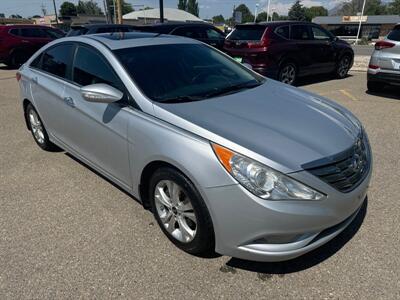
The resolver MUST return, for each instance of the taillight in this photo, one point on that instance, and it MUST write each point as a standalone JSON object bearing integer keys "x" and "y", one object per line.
{"x": 18, "y": 76}
{"x": 383, "y": 45}
{"x": 260, "y": 44}
{"x": 374, "y": 67}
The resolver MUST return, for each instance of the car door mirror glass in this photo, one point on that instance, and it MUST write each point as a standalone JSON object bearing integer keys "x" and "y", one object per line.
{"x": 101, "y": 93}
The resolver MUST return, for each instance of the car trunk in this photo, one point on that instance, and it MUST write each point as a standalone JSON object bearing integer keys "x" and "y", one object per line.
{"x": 389, "y": 56}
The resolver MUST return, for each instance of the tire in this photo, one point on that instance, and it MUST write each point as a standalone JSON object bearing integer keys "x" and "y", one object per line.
{"x": 184, "y": 218}
{"x": 288, "y": 73}
{"x": 343, "y": 67}
{"x": 17, "y": 59}
{"x": 37, "y": 129}
{"x": 374, "y": 86}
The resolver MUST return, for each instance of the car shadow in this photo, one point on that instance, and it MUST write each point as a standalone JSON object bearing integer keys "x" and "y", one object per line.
{"x": 317, "y": 79}
{"x": 392, "y": 92}
{"x": 308, "y": 260}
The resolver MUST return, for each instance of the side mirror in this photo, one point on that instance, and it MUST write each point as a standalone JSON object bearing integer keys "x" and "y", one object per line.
{"x": 101, "y": 93}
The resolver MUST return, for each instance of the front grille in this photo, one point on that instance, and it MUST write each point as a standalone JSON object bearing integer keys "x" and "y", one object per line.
{"x": 346, "y": 170}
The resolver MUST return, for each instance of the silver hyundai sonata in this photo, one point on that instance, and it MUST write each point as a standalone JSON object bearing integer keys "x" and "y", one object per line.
{"x": 227, "y": 160}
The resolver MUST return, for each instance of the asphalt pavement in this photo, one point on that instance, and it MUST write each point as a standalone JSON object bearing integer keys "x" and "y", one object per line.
{"x": 363, "y": 50}
{"x": 66, "y": 232}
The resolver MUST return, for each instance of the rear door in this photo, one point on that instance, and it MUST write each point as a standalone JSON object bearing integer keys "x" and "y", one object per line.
{"x": 97, "y": 131}
{"x": 307, "y": 57}
{"x": 50, "y": 70}
{"x": 325, "y": 51}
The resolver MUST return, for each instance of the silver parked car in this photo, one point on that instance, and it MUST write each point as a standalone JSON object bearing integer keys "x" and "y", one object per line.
{"x": 384, "y": 66}
{"x": 227, "y": 160}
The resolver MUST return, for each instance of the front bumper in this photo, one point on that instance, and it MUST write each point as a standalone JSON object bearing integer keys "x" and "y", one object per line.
{"x": 248, "y": 227}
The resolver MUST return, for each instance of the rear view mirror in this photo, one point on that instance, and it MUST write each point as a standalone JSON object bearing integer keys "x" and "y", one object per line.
{"x": 101, "y": 93}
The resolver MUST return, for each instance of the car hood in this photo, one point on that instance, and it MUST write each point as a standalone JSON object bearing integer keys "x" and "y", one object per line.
{"x": 283, "y": 124}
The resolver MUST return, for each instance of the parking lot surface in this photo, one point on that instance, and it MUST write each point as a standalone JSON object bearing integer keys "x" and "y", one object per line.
{"x": 65, "y": 232}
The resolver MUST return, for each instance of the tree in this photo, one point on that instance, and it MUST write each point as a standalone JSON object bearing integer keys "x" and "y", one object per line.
{"x": 182, "y": 5}
{"x": 126, "y": 7}
{"x": 297, "y": 12}
{"x": 262, "y": 16}
{"x": 315, "y": 11}
{"x": 247, "y": 16}
{"x": 88, "y": 7}
{"x": 33, "y": 17}
{"x": 15, "y": 17}
{"x": 67, "y": 9}
{"x": 218, "y": 19}
{"x": 394, "y": 7}
{"x": 193, "y": 7}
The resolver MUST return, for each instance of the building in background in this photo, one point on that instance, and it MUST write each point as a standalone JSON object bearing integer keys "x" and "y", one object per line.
{"x": 5, "y": 21}
{"x": 151, "y": 16}
{"x": 47, "y": 20}
{"x": 373, "y": 27}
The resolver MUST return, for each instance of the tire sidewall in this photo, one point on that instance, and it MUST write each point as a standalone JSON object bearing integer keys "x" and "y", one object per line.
{"x": 46, "y": 145}
{"x": 338, "y": 66}
{"x": 203, "y": 241}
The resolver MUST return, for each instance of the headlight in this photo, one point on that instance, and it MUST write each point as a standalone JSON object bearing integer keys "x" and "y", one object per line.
{"x": 261, "y": 180}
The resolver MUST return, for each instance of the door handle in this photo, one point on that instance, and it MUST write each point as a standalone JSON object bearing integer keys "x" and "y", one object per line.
{"x": 69, "y": 101}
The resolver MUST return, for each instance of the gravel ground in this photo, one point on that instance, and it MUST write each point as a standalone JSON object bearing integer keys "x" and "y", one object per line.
{"x": 66, "y": 232}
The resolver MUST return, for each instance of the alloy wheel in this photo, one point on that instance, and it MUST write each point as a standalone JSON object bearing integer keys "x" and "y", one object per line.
{"x": 288, "y": 74}
{"x": 36, "y": 126}
{"x": 344, "y": 66}
{"x": 175, "y": 210}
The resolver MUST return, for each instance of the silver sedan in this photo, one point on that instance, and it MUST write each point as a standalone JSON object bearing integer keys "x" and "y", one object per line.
{"x": 226, "y": 160}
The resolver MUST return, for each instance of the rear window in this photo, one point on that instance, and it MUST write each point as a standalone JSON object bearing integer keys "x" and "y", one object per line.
{"x": 247, "y": 32}
{"x": 394, "y": 35}
{"x": 77, "y": 31}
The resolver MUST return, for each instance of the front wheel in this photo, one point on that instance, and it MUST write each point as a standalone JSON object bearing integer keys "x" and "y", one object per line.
{"x": 288, "y": 73}
{"x": 181, "y": 212}
{"x": 343, "y": 67}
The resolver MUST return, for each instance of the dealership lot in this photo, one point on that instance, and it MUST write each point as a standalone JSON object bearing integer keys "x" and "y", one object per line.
{"x": 67, "y": 232}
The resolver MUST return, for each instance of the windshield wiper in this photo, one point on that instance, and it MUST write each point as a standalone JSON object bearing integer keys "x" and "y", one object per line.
{"x": 179, "y": 99}
{"x": 232, "y": 88}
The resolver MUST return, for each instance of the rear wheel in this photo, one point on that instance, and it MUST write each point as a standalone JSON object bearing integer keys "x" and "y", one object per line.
{"x": 17, "y": 59}
{"x": 374, "y": 86}
{"x": 181, "y": 212}
{"x": 288, "y": 73}
{"x": 343, "y": 67}
{"x": 38, "y": 131}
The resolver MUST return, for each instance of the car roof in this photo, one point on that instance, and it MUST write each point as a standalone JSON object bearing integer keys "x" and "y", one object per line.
{"x": 179, "y": 24}
{"x": 121, "y": 40}
{"x": 102, "y": 25}
{"x": 275, "y": 23}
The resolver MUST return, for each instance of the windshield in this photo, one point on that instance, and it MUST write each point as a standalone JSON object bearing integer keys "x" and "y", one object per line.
{"x": 247, "y": 32}
{"x": 184, "y": 72}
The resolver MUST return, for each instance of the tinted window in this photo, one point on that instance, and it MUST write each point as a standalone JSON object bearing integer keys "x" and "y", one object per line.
{"x": 15, "y": 31}
{"x": 90, "y": 68}
{"x": 189, "y": 32}
{"x": 57, "y": 59}
{"x": 53, "y": 34}
{"x": 213, "y": 34}
{"x": 394, "y": 35}
{"x": 319, "y": 34}
{"x": 182, "y": 71}
{"x": 32, "y": 33}
{"x": 77, "y": 31}
{"x": 247, "y": 32}
{"x": 300, "y": 32}
{"x": 283, "y": 31}
{"x": 112, "y": 29}
{"x": 36, "y": 63}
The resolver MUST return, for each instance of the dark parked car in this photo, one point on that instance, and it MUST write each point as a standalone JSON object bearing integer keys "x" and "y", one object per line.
{"x": 287, "y": 50}
{"x": 19, "y": 42}
{"x": 98, "y": 28}
{"x": 205, "y": 33}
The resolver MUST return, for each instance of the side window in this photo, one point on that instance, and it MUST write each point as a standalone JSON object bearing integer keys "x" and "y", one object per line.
{"x": 37, "y": 62}
{"x": 53, "y": 34}
{"x": 213, "y": 34}
{"x": 283, "y": 31}
{"x": 90, "y": 68}
{"x": 32, "y": 33}
{"x": 15, "y": 31}
{"x": 57, "y": 59}
{"x": 300, "y": 32}
{"x": 319, "y": 34}
{"x": 189, "y": 32}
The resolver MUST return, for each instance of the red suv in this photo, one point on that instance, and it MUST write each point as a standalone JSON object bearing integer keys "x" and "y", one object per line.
{"x": 19, "y": 42}
{"x": 287, "y": 50}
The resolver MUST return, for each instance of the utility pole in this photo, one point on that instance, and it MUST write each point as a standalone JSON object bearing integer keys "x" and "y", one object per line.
{"x": 106, "y": 11}
{"x": 269, "y": 1}
{"x": 55, "y": 11}
{"x": 255, "y": 13}
{"x": 161, "y": 11}
{"x": 359, "y": 25}
{"x": 119, "y": 7}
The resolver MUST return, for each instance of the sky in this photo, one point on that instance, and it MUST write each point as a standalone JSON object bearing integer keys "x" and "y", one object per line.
{"x": 208, "y": 8}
